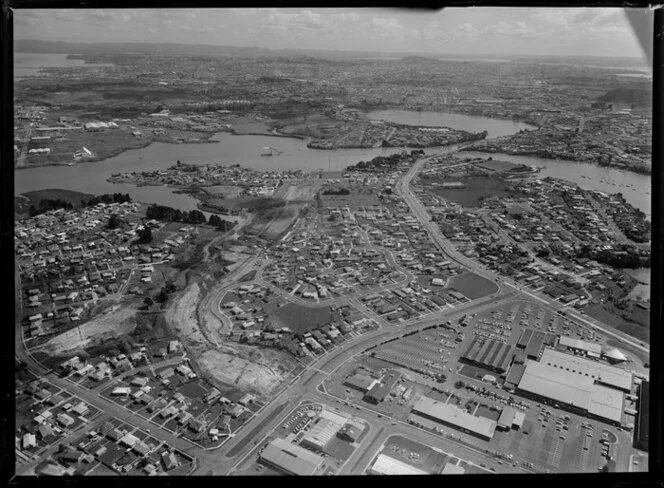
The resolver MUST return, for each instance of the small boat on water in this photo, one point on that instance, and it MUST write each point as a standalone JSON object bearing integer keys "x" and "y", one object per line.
{"x": 270, "y": 151}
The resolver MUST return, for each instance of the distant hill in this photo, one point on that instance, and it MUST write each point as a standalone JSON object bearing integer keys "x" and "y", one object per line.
{"x": 419, "y": 60}
{"x": 634, "y": 96}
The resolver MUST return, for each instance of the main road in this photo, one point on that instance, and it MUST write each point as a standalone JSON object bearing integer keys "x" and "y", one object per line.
{"x": 403, "y": 188}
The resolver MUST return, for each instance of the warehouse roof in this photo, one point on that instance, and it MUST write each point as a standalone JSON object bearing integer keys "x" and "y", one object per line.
{"x": 556, "y": 384}
{"x": 388, "y": 465}
{"x": 579, "y": 344}
{"x": 606, "y": 403}
{"x": 455, "y": 416}
{"x": 604, "y": 373}
{"x": 291, "y": 458}
{"x": 507, "y": 416}
{"x": 324, "y": 431}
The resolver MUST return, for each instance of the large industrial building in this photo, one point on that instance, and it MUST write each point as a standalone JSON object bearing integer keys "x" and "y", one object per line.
{"x": 532, "y": 342}
{"x": 641, "y": 430}
{"x": 291, "y": 459}
{"x": 455, "y": 417}
{"x": 601, "y": 373}
{"x": 324, "y": 430}
{"x": 590, "y": 349}
{"x": 576, "y": 391}
{"x": 489, "y": 354}
{"x": 390, "y": 466}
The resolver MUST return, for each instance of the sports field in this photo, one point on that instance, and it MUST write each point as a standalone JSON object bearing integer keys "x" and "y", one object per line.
{"x": 473, "y": 286}
{"x": 302, "y": 319}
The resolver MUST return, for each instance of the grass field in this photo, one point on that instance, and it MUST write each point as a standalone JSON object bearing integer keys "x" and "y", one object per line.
{"x": 303, "y": 319}
{"x": 600, "y": 313}
{"x": 473, "y": 286}
{"x": 498, "y": 165}
{"x": 476, "y": 188}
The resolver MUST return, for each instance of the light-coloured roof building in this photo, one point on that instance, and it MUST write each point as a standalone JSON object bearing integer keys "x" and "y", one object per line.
{"x": 600, "y": 372}
{"x": 455, "y": 417}
{"x": 556, "y": 384}
{"x": 607, "y": 403}
{"x": 580, "y": 345}
{"x": 572, "y": 389}
{"x": 324, "y": 431}
{"x": 290, "y": 458}
{"x": 388, "y": 465}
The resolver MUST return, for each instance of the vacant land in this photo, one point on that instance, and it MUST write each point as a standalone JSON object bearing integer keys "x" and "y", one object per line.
{"x": 473, "y": 286}
{"x": 262, "y": 377}
{"x": 302, "y": 319}
{"x": 476, "y": 189}
{"x": 634, "y": 329}
{"x": 116, "y": 322}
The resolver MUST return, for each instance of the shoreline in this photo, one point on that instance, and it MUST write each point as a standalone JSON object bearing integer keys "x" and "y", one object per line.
{"x": 207, "y": 140}
{"x": 117, "y": 152}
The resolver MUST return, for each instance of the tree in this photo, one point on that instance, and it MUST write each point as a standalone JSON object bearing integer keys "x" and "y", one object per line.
{"x": 459, "y": 384}
{"x": 113, "y": 222}
{"x": 148, "y": 302}
{"x": 144, "y": 235}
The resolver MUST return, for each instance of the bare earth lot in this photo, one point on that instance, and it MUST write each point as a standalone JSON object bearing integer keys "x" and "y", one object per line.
{"x": 116, "y": 322}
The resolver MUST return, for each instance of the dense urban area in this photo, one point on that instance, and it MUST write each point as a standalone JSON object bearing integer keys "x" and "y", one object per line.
{"x": 434, "y": 308}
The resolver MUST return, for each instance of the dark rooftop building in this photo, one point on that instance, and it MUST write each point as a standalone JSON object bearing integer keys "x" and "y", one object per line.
{"x": 489, "y": 354}
{"x": 641, "y": 433}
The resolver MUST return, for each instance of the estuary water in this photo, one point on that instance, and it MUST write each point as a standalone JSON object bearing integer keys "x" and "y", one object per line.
{"x": 471, "y": 123}
{"x": 246, "y": 150}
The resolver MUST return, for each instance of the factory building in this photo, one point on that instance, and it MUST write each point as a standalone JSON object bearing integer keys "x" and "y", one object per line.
{"x": 601, "y": 373}
{"x": 291, "y": 459}
{"x": 324, "y": 430}
{"x": 455, "y": 417}
{"x": 387, "y": 465}
{"x": 589, "y": 349}
{"x": 489, "y": 354}
{"x": 578, "y": 393}
{"x": 641, "y": 432}
{"x": 532, "y": 342}
{"x": 361, "y": 382}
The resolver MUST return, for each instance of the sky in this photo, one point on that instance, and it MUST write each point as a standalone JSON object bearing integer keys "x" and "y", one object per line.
{"x": 459, "y": 31}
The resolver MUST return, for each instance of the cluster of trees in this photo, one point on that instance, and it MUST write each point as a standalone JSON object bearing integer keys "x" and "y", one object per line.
{"x": 337, "y": 191}
{"x": 623, "y": 256}
{"x": 221, "y": 224}
{"x": 164, "y": 293}
{"x": 48, "y": 204}
{"x": 386, "y": 162}
{"x": 106, "y": 198}
{"x": 144, "y": 235}
{"x": 114, "y": 222}
{"x": 161, "y": 212}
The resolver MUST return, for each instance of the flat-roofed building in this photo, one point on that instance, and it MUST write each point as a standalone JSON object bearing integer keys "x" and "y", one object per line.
{"x": 568, "y": 389}
{"x": 589, "y": 348}
{"x": 506, "y": 418}
{"x": 454, "y": 417}
{"x": 641, "y": 430}
{"x": 533, "y": 341}
{"x": 324, "y": 430}
{"x": 388, "y": 465}
{"x": 599, "y": 372}
{"x": 361, "y": 382}
{"x": 291, "y": 459}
